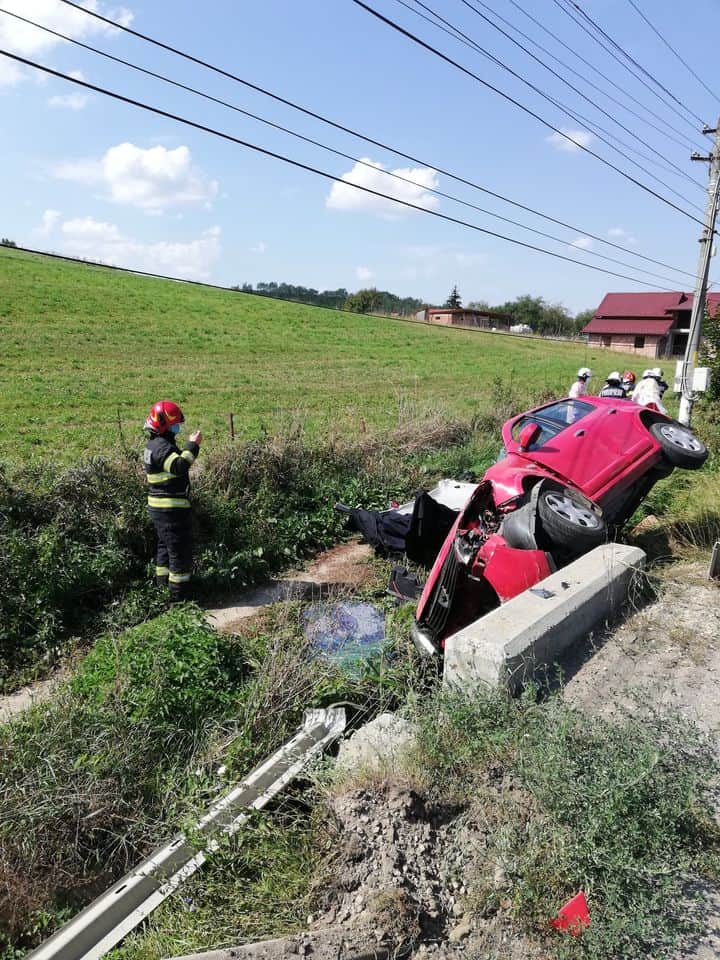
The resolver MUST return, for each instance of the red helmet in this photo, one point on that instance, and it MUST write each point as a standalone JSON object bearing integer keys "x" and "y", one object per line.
{"x": 628, "y": 377}
{"x": 163, "y": 415}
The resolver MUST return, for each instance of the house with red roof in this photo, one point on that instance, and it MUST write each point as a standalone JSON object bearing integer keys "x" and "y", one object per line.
{"x": 649, "y": 324}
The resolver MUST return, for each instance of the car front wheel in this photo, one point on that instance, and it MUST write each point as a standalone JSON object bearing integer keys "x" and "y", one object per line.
{"x": 680, "y": 446}
{"x": 568, "y": 524}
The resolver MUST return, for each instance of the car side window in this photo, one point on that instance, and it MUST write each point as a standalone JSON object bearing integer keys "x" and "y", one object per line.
{"x": 552, "y": 420}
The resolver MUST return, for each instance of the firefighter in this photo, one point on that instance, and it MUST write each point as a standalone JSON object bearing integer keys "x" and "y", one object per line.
{"x": 166, "y": 471}
{"x": 649, "y": 390}
{"x": 579, "y": 388}
{"x": 614, "y": 387}
{"x": 628, "y": 382}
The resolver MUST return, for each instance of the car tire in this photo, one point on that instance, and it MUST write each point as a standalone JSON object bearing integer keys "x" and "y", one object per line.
{"x": 570, "y": 527}
{"x": 680, "y": 446}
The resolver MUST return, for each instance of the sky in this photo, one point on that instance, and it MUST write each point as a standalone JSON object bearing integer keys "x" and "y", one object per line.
{"x": 89, "y": 176}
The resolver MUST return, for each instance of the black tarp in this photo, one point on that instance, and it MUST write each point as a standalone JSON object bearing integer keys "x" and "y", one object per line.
{"x": 419, "y": 534}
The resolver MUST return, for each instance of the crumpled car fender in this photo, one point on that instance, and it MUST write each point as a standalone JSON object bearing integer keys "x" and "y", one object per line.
{"x": 508, "y": 570}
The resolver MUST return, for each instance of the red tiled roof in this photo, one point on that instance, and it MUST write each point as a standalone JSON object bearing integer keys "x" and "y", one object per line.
{"x": 629, "y": 325}
{"x": 641, "y": 313}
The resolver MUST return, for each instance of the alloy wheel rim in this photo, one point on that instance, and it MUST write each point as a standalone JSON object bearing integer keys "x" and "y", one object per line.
{"x": 566, "y": 508}
{"x": 681, "y": 438}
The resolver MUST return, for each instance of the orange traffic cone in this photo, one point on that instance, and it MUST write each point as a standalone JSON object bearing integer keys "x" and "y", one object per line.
{"x": 574, "y": 916}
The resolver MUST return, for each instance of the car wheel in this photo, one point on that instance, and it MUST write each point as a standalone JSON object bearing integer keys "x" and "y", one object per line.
{"x": 568, "y": 524}
{"x": 680, "y": 446}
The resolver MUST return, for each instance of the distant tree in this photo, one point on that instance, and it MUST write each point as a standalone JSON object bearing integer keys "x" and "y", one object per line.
{"x": 4, "y": 242}
{"x": 364, "y": 301}
{"x": 525, "y": 309}
{"x": 582, "y": 319}
{"x": 453, "y": 301}
{"x": 481, "y": 305}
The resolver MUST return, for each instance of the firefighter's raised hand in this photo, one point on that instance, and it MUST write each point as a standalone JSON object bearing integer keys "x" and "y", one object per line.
{"x": 196, "y": 437}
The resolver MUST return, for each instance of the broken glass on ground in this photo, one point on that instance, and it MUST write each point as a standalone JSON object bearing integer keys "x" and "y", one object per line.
{"x": 348, "y": 633}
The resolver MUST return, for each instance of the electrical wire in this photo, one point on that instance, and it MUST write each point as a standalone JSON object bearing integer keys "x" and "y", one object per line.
{"x": 506, "y": 96}
{"x": 323, "y": 146}
{"x": 581, "y": 76}
{"x": 672, "y": 49}
{"x": 367, "y": 139}
{"x": 569, "y": 9}
{"x": 591, "y": 125}
{"x": 626, "y": 93}
{"x": 632, "y": 60}
{"x": 264, "y": 151}
{"x": 652, "y": 159}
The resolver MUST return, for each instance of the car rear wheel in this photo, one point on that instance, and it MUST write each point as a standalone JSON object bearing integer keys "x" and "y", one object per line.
{"x": 568, "y": 524}
{"x": 680, "y": 446}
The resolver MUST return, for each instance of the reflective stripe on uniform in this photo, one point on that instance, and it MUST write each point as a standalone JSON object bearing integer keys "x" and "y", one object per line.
{"x": 180, "y": 577}
{"x": 160, "y": 477}
{"x": 170, "y": 459}
{"x": 186, "y": 455}
{"x": 162, "y": 571}
{"x": 166, "y": 502}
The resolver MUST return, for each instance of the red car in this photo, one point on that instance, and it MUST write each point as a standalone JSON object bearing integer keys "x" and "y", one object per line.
{"x": 572, "y": 473}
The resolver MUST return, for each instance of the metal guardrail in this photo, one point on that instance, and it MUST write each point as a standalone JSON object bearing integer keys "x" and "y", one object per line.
{"x": 103, "y": 924}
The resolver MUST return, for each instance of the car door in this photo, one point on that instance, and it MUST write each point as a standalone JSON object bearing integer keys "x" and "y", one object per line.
{"x": 577, "y": 442}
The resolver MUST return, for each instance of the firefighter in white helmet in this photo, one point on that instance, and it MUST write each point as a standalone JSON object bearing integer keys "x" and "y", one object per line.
{"x": 650, "y": 389}
{"x": 579, "y": 388}
{"x": 614, "y": 386}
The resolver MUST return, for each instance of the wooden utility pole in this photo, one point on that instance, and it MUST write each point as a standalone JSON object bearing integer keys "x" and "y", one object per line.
{"x": 706, "y": 247}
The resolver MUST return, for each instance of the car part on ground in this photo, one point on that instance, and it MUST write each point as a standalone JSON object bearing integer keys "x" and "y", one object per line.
{"x": 104, "y": 923}
{"x": 573, "y": 473}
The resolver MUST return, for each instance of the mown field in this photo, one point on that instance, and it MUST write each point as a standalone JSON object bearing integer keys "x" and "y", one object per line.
{"x": 83, "y": 345}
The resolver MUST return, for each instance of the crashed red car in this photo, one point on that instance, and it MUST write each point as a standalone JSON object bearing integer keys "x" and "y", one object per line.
{"x": 572, "y": 473}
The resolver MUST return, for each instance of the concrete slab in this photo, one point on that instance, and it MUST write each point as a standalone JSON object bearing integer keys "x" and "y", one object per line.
{"x": 378, "y": 746}
{"x": 510, "y": 644}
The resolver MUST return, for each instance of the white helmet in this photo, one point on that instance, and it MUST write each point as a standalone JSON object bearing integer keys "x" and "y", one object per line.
{"x": 647, "y": 373}
{"x": 614, "y": 377}
{"x": 584, "y": 373}
{"x": 657, "y": 373}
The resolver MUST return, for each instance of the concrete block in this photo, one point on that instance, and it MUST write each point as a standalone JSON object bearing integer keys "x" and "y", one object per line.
{"x": 378, "y": 746}
{"x": 529, "y": 632}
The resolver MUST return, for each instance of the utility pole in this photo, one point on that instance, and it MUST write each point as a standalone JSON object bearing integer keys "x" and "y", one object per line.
{"x": 706, "y": 246}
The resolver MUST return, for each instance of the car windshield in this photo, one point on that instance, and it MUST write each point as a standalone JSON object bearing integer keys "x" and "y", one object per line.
{"x": 552, "y": 420}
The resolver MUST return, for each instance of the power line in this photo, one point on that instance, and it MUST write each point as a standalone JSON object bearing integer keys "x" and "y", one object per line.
{"x": 575, "y": 115}
{"x": 581, "y": 76}
{"x": 671, "y": 48}
{"x": 653, "y": 159}
{"x": 323, "y": 146}
{"x": 264, "y": 151}
{"x": 632, "y": 60}
{"x": 532, "y": 113}
{"x": 569, "y": 10}
{"x": 367, "y": 139}
{"x": 596, "y": 69}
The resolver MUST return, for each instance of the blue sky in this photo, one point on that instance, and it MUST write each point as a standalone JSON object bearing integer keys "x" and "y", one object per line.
{"x": 92, "y": 177}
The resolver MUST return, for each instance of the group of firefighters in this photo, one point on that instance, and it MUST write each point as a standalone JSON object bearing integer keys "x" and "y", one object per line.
{"x": 167, "y": 470}
{"x": 625, "y": 386}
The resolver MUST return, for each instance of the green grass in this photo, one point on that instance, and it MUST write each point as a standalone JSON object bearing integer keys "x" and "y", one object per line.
{"x": 81, "y": 343}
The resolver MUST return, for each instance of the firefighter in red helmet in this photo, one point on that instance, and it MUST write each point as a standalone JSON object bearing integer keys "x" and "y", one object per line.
{"x": 167, "y": 470}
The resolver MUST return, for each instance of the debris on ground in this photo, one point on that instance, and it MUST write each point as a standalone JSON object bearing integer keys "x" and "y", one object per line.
{"x": 402, "y": 865}
{"x": 347, "y": 633}
{"x": 379, "y": 746}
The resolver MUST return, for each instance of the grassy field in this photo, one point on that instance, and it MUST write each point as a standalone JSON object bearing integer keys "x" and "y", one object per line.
{"x": 82, "y": 344}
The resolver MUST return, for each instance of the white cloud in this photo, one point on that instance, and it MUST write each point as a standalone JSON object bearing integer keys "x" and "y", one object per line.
{"x": 582, "y": 138}
{"x": 100, "y": 241}
{"x": 582, "y": 243}
{"x": 345, "y": 197}
{"x": 10, "y": 73}
{"x": 152, "y": 179}
{"x": 619, "y": 233}
{"x": 364, "y": 273}
{"x": 26, "y": 40}
{"x": 260, "y": 247}
{"x": 77, "y": 74}
{"x": 50, "y": 220}
{"x": 69, "y": 101}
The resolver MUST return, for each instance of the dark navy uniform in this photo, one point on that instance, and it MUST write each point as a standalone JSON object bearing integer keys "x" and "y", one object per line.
{"x": 613, "y": 391}
{"x": 166, "y": 471}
